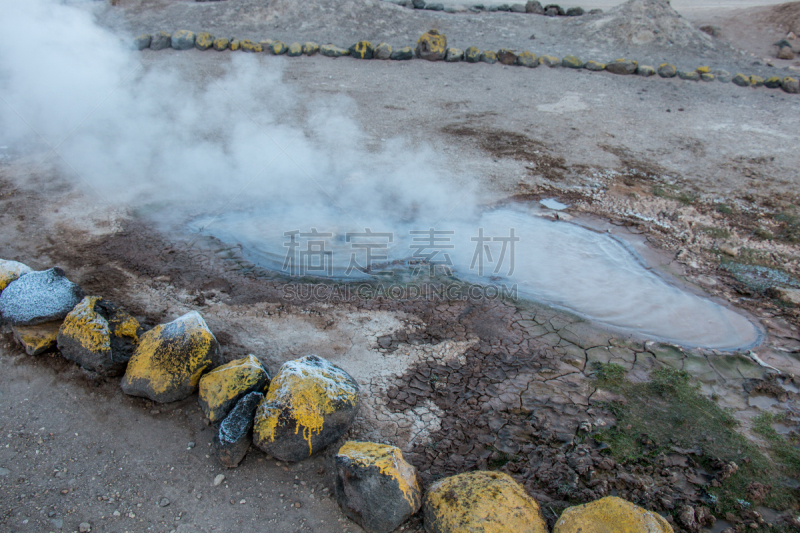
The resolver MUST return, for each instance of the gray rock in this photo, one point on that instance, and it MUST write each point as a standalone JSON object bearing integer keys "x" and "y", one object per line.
{"x": 707, "y": 76}
{"x": 292, "y": 426}
{"x": 450, "y": 9}
{"x": 84, "y": 527}
{"x": 454, "y": 55}
{"x": 383, "y": 51}
{"x": 489, "y": 57}
{"x": 554, "y": 10}
{"x": 39, "y": 297}
{"x": 741, "y": 80}
{"x": 57, "y": 523}
{"x": 534, "y": 8}
{"x": 163, "y": 502}
{"x": 4, "y": 472}
{"x": 646, "y": 71}
{"x": 596, "y": 11}
{"x": 667, "y": 71}
{"x": 183, "y": 40}
{"x": 418, "y": 4}
{"x": 375, "y": 486}
{"x": 434, "y": 7}
{"x": 575, "y": 12}
{"x": 472, "y": 55}
{"x": 330, "y": 50}
{"x": 722, "y": 75}
{"x": 234, "y": 436}
{"x": 160, "y": 40}
{"x": 143, "y": 41}
{"x": 692, "y": 75}
{"x": 518, "y": 8}
{"x": 789, "y": 85}
{"x": 98, "y": 336}
{"x": 622, "y": 66}
{"x": 404, "y": 54}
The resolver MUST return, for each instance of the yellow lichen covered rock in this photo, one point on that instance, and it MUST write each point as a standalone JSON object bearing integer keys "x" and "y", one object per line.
{"x": 362, "y": 50}
{"x": 375, "y": 486}
{"x": 310, "y": 404}
{"x": 203, "y": 41}
{"x": 235, "y": 44}
{"x": 432, "y": 46}
{"x": 527, "y": 59}
{"x": 703, "y": 70}
{"x": 221, "y": 388}
{"x": 169, "y": 359}
{"x": 221, "y": 44}
{"x": 11, "y": 271}
{"x": 98, "y": 336}
{"x": 250, "y": 46}
{"x": 481, "y": 502}
{"x": 550, "y": 61}
{"x": 37, "y": 339}
{"x": 610, "y": 514}
{"x": 310, "y": 48}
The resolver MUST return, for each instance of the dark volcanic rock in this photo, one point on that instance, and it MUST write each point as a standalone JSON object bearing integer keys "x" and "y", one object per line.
{"x": 506, "y": 57}
{"x": 575, "y": 12}
{"x": 375, "y": 486}
{"x": 160, "y": 40}
{"x": 39, "y": 297}
{"x": 622, "y": 66}
{"x": 234, "y": 436}
{"x": 554, "y": 10}
{"x": 310, "y": 404}
{"x": 98, "y": 336}
{"x": 534, "y": 7}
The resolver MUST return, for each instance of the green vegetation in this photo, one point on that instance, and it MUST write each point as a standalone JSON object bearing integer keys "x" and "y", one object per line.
{"x": 670, "y": 412}
{"x": 763, "y": 233}
{"x": 723, "y": 208}
{"x": 790, "y": 227}
{"x": 674, "y": 193}
{"x": 717, "y": 233}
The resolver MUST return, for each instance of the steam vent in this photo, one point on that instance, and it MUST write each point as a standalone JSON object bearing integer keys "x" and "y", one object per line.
{"x": 400, "y": 265}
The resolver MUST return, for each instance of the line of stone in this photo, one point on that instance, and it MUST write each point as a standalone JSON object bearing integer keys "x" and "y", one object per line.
{"x": 432, "y": 46}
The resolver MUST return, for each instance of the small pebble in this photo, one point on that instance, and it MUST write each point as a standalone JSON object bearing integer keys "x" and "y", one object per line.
{"x": 219, "y": 479}
{"x": 85, "y": 527}
{"x": 163, "y": 502}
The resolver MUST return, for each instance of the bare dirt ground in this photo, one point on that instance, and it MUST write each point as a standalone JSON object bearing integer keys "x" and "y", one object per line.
{"x": 703, "y": 175}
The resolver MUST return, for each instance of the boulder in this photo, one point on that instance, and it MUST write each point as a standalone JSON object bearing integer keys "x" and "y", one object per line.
{"x": 756, "y": 81}
{"x": 183, "y": 40}
{"x": 645, "y": 71}
{"x": 362, "y": 50}
{"x": 690, "y": 75}
{"x": 278, "y": 48}
{"x": 665, "y": 70}
{"x": 788, "y": 296}
{"x": 785, "y": 52}
{"x": 741, "y": 80}
{"x": 773, "y": 82}
{"x": 143, "y": 41}
{"x": 553, "y": 10}
{"x": 220, "y": 389}
{"x": 571, "y": 62}
{"x": 235, "y": 44}
{"x": 310, "y": 404}
{"x": 167, "y": 364}
{"x": 98, "y": 336}
{"x": 610, "y": 514}
{"x": 481, "y": 502}
{"x": 594, "y": 66}
{"x": 204, "y": 41}
{"x": 234, "y": 436}
{"x": 418, "y": 4}
{"x": 722, "y": 75}
{"x": 310, "y": 48}
{"x": 788, "y": 84}
{"x": 534, "y": 7}
{"x": 39, "y": 297}
{"x": 489, "y": 56}
{"x": 472, "y": 55}
{"x": 251, "y": 46}
{"x": 221, "y": 44}
{"x": 11, "y": 271}
{"x": 506, "y": 57}
{"x": 454, "y": 55}
{"x": 404, "y": 54}
{"x": 432, "y": 46}
{"x": 550, "y": 61}
{"x": 160, "y": 40}
{"x": 295, "y": 50}
{"x": 575, "y": 12}
{"x": 622, "y": 66}
{"x": 527, "y": 59}
{"x": 329, "y": 50}
{"x": 375, "y": 487}
{"x": 383, "y": 51}
{"x": 37, "y": 339}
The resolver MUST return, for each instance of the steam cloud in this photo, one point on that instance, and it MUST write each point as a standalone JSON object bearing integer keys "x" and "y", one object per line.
{"x": 140, "y": 132}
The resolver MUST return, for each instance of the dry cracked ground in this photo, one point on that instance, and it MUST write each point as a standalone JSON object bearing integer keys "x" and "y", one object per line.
{"x": 701, "y": 179}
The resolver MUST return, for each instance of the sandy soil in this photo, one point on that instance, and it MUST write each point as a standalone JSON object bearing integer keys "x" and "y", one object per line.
{"x": 75, "y": 449}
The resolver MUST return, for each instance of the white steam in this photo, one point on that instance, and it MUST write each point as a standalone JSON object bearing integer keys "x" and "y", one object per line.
{"x": 139, "y": 132}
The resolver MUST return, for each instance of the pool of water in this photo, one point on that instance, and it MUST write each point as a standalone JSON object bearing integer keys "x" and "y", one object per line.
{"x": 562, "y": 264}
